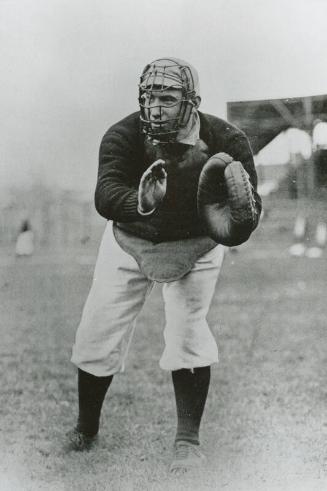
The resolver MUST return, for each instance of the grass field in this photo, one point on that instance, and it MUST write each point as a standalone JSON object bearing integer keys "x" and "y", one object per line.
{"x": 265, "y": 423}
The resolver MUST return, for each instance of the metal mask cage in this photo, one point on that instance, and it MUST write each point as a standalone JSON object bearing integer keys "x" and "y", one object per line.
{"x": 156, "y": 78}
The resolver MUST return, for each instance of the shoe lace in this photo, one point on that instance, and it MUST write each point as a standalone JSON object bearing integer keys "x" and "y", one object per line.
{"x": 183, "y": 451}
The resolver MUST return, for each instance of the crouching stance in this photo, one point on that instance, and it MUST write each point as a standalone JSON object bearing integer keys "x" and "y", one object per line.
{"x": 175, "y": 185}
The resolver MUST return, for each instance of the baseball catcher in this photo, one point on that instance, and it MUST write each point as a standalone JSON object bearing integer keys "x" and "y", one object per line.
{"x": 176, "y": 186}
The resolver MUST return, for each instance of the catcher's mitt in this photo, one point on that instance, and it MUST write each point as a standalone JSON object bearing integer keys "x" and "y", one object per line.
{"x": 226, "y": 200}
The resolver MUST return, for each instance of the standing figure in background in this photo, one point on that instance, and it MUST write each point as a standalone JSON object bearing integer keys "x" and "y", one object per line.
{"x": 25, "y": 240}
{"x": 176, "y": 186}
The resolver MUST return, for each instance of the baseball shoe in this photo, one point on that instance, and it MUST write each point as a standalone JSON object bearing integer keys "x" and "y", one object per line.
{"x": 79, "y": 442}
{"x": 187, "y": 456}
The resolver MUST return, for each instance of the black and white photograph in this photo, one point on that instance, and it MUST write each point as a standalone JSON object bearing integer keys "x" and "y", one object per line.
{"x": 163, "y": 257}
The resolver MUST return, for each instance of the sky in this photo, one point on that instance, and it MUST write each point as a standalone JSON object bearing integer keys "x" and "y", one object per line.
{"x": 70, "y": 69}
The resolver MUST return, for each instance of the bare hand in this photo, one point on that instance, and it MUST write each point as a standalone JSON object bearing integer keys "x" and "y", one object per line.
{"x": 152, "y": 188}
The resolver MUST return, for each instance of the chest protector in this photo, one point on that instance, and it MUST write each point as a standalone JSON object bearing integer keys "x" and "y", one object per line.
{"x": 164, "y": 261}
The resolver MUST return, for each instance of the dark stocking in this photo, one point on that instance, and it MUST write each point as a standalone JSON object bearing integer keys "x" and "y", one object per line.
{"x": 91, "y": 394}
{"x": 191, "y": 390}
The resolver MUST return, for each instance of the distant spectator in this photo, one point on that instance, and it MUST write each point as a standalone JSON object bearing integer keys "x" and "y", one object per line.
{"x": 25, "y": 240}
{"x": 319, "y": 135}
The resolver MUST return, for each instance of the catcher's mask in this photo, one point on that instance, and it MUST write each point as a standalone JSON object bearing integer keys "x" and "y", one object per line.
{"x": 160, "y": 77}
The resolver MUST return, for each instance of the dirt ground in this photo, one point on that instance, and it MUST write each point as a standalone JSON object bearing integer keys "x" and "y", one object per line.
{"x": 265, "y": 423}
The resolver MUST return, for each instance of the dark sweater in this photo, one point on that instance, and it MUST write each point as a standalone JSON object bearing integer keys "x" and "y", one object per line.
{"x": 123, "y": 158}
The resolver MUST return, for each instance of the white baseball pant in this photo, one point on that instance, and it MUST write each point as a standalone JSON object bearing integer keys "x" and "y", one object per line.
{"x": 117, "y": 295}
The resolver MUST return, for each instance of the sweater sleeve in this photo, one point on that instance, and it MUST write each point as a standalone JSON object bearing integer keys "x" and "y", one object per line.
{"x": 116, "y": 194}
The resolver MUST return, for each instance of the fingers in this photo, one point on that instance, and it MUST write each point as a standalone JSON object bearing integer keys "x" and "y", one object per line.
{"x": 152, "y": 188}
{"x": 156, "y": 171}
